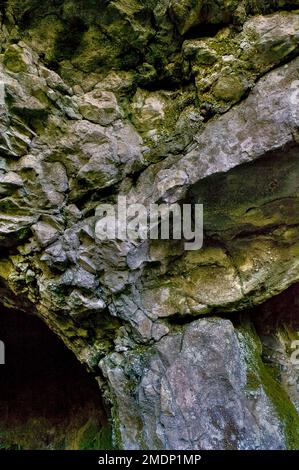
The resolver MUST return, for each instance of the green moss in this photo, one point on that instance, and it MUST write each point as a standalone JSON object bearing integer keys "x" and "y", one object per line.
{"x": 283, "y": 406}
{"x": 14, "y": 60}
{"x": 36, "y": 435}
{"x": 229, "y": 88}
{"x": 261, "y": 374}
{"x": 116, "y": 434}
{"x": 94, "y": 438}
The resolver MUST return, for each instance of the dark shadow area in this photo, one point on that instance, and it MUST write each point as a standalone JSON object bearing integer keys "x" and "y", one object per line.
{"x": 2, "y": 5}
{"x": 281, "y": 311}
{"x": 70, "y": 38}
{"x": 204, "y": 30}
{"x": 47, "y": 399}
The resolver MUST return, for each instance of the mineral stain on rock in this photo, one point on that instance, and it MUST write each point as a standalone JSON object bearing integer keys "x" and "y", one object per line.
{"x": 187, "y": 101}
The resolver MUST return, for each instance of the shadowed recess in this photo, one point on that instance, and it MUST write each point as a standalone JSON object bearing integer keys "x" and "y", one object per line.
{"x": 47, "y": 399}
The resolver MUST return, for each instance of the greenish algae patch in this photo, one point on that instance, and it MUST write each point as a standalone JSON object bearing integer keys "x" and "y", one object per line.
{"x": 39, "y": 433}
{"x": 91, "y": 437}
{"x": 260, "y": 374}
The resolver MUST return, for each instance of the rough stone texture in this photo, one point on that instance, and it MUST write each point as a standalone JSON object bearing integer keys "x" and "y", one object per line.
{"x": 189, "y": 101}
{"x": 191, "y": 394}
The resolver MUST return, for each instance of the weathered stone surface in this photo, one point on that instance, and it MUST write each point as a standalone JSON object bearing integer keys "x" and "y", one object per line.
{"x": 175, "y": 101}
{"x": 191, "y": 389}
{"x": 265, "y": 122}
{"x": 100, "y": 107}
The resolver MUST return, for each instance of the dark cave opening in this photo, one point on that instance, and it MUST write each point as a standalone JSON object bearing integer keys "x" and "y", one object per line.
{"x": 281, "y": 311}
{"x": 204, "y": 30}
{"x": 47, "y": 398}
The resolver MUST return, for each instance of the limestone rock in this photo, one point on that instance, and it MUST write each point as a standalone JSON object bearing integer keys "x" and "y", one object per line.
{"x": 188, "y": 102}
{"x": 193, "y": 393}
{"x": 100, "y": 107}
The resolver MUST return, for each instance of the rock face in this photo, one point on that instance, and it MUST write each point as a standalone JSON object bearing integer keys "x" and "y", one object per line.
{"x": 48, "y": 400}
{"x": 169, "y": 101}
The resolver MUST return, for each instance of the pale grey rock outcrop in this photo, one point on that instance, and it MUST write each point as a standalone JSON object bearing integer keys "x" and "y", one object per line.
{"x": 191, "y": 393}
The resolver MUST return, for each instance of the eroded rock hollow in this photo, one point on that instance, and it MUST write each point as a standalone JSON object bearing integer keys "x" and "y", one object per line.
{"x": 48, "y": 400}
{"x": 190, "y": 101}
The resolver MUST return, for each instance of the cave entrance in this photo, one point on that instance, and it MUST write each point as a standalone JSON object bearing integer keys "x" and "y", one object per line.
{"x": 47, "y": 398}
